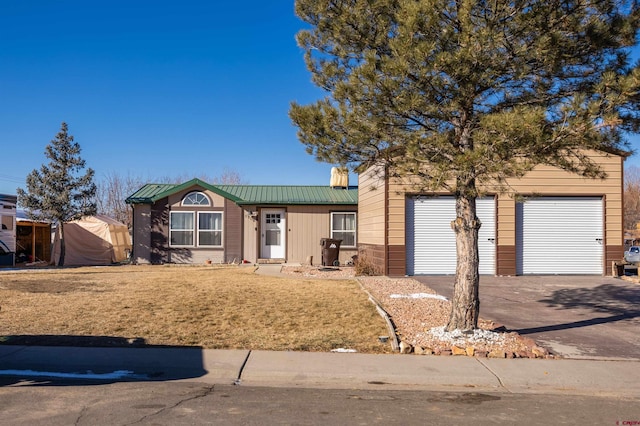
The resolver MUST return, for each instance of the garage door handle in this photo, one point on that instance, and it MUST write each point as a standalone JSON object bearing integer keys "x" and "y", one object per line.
{"x": 599, "y": 240}
{"x": 491, "y": 239}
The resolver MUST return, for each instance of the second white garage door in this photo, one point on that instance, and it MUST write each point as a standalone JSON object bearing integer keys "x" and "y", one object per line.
{"x": 560, "y": 235}
{"x": 431, "y": 243}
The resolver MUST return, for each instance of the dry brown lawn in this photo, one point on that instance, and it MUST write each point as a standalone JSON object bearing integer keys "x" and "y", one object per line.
{"x": 206, "y": 306}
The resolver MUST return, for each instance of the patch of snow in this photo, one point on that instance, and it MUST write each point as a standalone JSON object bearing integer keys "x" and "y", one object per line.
{"x": 418, "y": 296}
{"x": 116, "y": 375}
{"x": 343, "y": 350}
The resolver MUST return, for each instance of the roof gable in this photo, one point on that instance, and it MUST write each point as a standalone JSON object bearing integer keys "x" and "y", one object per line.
{"x": 150, "y": 193}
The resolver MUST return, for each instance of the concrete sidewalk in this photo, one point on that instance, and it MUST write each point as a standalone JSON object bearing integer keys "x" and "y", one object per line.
{"x": 22, "y": 364}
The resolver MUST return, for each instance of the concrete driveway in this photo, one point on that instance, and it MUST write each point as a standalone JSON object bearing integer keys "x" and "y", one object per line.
{"x": 579, "y": 317}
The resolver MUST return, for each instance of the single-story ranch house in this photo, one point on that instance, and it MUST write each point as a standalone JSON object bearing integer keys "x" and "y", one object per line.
{"x": 561, "y": 223}
{"x": 566, "y": 225}
{"x": 195, "y": 222}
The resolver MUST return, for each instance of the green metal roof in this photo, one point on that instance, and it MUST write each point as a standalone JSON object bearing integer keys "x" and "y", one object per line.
{"x": 266, "y": 194}
{"x": 253, "y": 194}
{"x": 147, "y": 193}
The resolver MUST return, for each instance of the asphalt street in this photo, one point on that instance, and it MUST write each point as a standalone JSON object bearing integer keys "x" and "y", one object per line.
{"x": 183, "y": 403}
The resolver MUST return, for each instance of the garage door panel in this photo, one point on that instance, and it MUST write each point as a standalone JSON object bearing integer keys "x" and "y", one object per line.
{"x": 560, "y": 235}
{"x": 431, "y": 242}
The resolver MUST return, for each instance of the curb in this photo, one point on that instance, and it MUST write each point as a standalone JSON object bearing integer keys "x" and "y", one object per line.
{"x": 395, "y": 345}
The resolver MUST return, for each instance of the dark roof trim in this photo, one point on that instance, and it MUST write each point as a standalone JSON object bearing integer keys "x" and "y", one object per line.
{"x": 168, "y": 190}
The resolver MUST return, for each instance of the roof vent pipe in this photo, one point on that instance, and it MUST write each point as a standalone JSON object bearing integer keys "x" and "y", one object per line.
{"x": 339, "y": 177}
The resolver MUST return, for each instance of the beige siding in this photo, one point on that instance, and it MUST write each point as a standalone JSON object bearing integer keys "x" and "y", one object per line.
{"x": 250, "y": 233}
{"x": 549, "y": 181}
{"x": 371, "y": 208}
{"x": 175, "y": 200}
{"x": 542, "y": 181}
{"x": 196, "y": 256}
{"x": 306, "y": 226}
{"x": 142, "y": 233}
{"x": 506, "y": 221}
{"x": 396, "y": 218}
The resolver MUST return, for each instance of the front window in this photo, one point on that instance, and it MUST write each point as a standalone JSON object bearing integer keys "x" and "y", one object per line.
{"x": 210, "y": 229}
{"x": 343, "y": 227}
{"x": 196, "y": 199}
{"x": 183, "y": 228}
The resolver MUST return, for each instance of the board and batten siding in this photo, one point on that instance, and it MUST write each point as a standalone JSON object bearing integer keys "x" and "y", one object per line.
{"x": 232, "y": 232}
{"x": 250, "y": 241}
{"x": 306, "y": 226}
{"x": 141, "y": 234}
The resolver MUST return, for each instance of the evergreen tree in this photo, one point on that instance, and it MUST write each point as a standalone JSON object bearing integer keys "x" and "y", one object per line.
{"x": 466, "y": 94}
{"x": 58, "y": 192}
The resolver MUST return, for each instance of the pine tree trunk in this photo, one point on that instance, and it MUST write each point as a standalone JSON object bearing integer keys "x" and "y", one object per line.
{"x": 465, "y": 305}
{"x": 62, "y": 245}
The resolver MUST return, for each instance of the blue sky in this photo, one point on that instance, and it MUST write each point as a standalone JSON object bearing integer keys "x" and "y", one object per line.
{"x": 157, "y": 88}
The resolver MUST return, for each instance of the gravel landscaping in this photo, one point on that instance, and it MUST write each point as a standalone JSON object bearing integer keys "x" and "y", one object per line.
{"x": 419, "y": 316}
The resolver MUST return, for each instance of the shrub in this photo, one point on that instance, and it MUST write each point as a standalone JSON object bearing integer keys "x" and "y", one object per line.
{"x": 363, "y": 266}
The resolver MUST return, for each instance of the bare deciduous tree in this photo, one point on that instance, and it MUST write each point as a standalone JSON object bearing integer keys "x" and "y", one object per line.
{"x": 112, "y": 192}
{"x": 631, "y": 197}
{"x": 114, "y": 189}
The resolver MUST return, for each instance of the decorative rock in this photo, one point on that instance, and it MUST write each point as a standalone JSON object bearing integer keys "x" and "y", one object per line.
{"x": 470, "y": 350}
{"x": 539, "y": 352}
{"x": 405, "y": 348}
{"x": 455, "y": 350}
{"x": 527, "y": 341}
{"x": 496, "y": 353}
{"x": 419, "y": 350}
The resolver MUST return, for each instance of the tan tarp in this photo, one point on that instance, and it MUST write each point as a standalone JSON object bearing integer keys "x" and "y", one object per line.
{"x": 94, "y": 240}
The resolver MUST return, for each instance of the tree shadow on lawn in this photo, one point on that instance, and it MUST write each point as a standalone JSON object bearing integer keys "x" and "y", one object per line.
{"x": 67, "y": 360}
{"x": 75, "y": 341}
{"x": 619, "y": 302}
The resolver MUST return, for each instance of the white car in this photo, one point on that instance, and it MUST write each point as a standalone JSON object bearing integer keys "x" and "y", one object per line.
{"x": 632, "y": 255}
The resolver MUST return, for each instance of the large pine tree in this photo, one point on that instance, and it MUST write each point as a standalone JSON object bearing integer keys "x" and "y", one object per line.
{"x": 59, "y": 192}
{"x": 464, "y": 94}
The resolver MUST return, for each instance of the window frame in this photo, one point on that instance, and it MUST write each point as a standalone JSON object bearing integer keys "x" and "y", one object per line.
{"x": 221, "y": 230}
{"x": 354, "y": 231}
{"x": 171, "y": 230}
{"x": 196, "y": 193}
{"x": 195, "y": 231}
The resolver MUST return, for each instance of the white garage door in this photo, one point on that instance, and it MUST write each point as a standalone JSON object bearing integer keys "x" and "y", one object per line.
{"x": 431, "y": 243}
{"x": 560, "y": 235}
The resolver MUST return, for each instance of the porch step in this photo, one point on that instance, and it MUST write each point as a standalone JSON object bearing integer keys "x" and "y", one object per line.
{"x": 270, "y": 261}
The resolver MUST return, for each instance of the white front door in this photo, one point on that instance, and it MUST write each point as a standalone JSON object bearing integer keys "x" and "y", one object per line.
{"x": 272, "y": 235}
